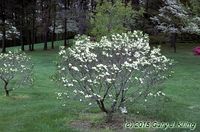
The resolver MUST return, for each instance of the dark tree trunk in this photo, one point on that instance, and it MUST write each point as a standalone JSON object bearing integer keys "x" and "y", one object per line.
{"x": 146, "y": 16}
{"x": 46, "y": 40}
{"x": 173, "y": 41}
{"x": 5, "y": 88}
{"x": 22, "y": 40}
{"x": 22, "y": 26}
{"x": 109, "y": 114}
{"x": 102, "y": 106}
{"x": 3, "y": 37}
{"x": 65, "y": 25}
{"x": 41, "y": 37}
{"x": 30, "y": 40}
{"x": 65, "y": 33}
{"x": 147, "y": 6}
{"x": 33, "y": 40}
{"x": 3, "y": 27}
{"x": 135, "y": 3}
{"x": 33, "y": 27}
{"x": 44, "y": 10}
{"x": 53, "y": 34}
{"x": 14, "y": 19}
{"x": 47, "y": 24}
{"x": 109, "y": 117}
{"x": 82, "y": 8}
{"x": 54, "y": 24}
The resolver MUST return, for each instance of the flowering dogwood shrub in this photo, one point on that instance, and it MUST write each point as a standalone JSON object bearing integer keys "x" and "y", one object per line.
{"x": 17, "y": 67}
{"x": 175, "y": 17}
{"x": 171, "y": 17}
{"x": 112, "y": 71}
{"x": 11, "y": 31}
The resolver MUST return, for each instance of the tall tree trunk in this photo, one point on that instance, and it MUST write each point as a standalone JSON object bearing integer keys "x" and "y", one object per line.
{"x": 146, "y": 16}
{"x": 82, "y": 8}
{"x": 22, "y": 26}
{"x": 173, "y": 41}
{"x": 53, "y": 35}
{"x": 33, "y": 26}
{"x": 44, "y": 19}
{"x": 3, "y": 27}
{"x": 14, "y": 19}
{"x": 147, "y": 6}
{"x": 3, "y": 37}
{"x": 30, "y": 40}
{"x": 46, "y": 39}
{"x": 47, "y": 24}
{"x": 65, "y": 32}
{"x": 22, "y": 39}
{"x": 65, "y": 24}
{"x": 54, "y": 24}
{"x": 33, "y": 39}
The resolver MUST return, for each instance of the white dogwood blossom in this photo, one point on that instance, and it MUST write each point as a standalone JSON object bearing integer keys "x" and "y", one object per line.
{"x": 11, "y": 31}
{"x": 175, "y": 17}
{"x": 171, "y": 17}
{"x": 107, "y": 70}
{"x": 15, "y": 66}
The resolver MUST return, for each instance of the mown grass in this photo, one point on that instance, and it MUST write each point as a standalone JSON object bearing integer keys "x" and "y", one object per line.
{"x": 36, "y": 109}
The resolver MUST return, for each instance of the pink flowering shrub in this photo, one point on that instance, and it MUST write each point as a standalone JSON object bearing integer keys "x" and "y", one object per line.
{"x": 196, "y": 50}
{"x": 113, "y": 71}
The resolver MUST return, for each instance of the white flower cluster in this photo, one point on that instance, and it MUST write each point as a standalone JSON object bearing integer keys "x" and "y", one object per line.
{"x": 175, "y": 17}
{"x": 11, "y": 31}
{"x": 193, "y": 25}
{"x": 15, "y": 64}
{"x": 171, "y": 17}
{"x": 104, "y": 70}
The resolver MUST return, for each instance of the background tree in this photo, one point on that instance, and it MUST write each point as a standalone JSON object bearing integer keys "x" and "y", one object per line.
{"x": 193, "y": 21}
{"x": 54, "y": 6}
{"x": 111, "y": 18}
{"x": 8, "y": 28}
{"x": 43, "y": 20}
{"x": 171, "y": 19}
{"x": 46, "y": 8}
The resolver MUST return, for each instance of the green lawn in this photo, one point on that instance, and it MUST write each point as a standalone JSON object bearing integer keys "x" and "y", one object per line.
{"x": 36, "y": 109}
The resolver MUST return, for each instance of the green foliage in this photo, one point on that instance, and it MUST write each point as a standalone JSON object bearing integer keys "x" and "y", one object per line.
{"x": 113, "y": 18}
{"x": 195, "y": 7}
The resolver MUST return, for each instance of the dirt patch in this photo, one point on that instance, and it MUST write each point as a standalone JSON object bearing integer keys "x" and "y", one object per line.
{"x": 116, "y": 123}
{"x": 88, "y": 126}
{"x": 92, "y": 122}
{"x": 81, "y": 124}
{"x": 19, "y": 97}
